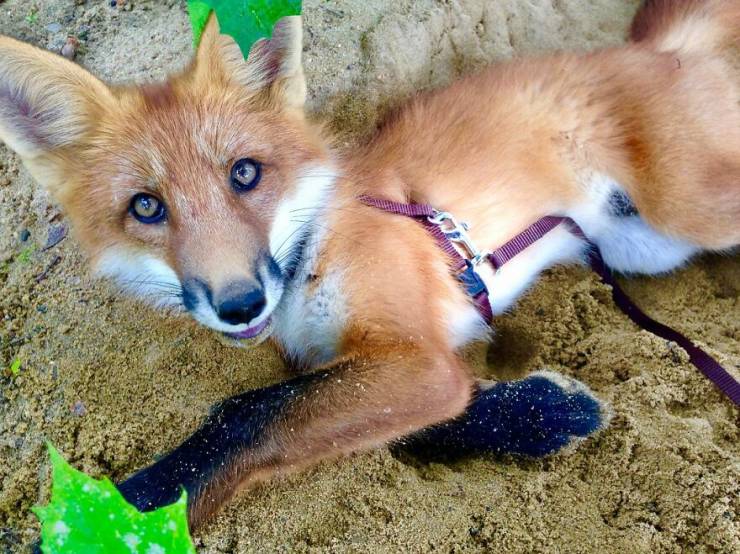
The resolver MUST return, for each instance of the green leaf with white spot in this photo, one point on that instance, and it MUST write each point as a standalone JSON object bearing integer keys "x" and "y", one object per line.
{"x": 91, "y": 516}
{"x": 246, "y": 21}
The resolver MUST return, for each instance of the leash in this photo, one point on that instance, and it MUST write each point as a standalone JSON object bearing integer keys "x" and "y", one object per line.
{"x": 448, "y": 232}
{"x": 700, "y": 359}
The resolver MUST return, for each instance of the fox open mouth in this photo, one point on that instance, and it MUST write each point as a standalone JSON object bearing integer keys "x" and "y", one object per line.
{"x": 251, "y": 332}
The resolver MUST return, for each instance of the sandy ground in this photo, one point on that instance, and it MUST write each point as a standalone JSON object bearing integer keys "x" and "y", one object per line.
{"x": 113, "y": 385}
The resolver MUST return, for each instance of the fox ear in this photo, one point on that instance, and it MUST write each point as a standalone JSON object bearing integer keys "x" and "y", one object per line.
{"x": 273, "y": 69}
{"x": 46, "y": 101}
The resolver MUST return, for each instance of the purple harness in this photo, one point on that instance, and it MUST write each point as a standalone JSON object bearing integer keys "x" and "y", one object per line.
{"x": 448, "y": 232}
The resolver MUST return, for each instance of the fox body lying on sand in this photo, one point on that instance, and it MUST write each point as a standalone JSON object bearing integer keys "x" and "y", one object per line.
{"x": 213, "y": 193}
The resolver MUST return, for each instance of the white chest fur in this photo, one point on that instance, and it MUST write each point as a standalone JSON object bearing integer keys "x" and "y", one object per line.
{"x": 310, "y": 320}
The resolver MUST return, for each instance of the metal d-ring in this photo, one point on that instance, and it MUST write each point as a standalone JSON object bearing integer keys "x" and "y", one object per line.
{"x": 457, "y": 232}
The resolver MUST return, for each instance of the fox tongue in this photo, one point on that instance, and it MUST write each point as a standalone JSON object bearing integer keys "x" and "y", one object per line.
{"x": 251, "y": 332}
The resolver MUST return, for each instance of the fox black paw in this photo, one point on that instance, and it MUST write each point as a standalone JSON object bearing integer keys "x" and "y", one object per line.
{"x": 148, "y": 489}
{"x": 536, "y": 416}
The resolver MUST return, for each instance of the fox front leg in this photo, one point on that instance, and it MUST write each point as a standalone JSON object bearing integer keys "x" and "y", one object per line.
{"x": 535, "y": 416}
{"x": 363, "y": 401}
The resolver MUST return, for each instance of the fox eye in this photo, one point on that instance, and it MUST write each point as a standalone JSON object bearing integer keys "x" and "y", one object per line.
{"x": 245, "y": 174}
{"x": 147, "y": 208}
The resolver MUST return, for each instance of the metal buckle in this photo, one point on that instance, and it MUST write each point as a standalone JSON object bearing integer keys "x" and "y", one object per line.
{"x": 471, "y": 280}
{"x": 457, "y": 232}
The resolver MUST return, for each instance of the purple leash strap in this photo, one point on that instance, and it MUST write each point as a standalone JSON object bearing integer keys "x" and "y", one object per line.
{"x": 525, "y": 239}
{"x": 710, "y": 367}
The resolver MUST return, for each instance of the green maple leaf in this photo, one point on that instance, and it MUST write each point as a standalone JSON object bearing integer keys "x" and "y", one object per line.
{"x": 91, "y": 516}
{"x": 246, "y": 21}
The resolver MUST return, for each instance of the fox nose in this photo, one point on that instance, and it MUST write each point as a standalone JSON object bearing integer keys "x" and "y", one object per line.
{"x": 240, "y": 303}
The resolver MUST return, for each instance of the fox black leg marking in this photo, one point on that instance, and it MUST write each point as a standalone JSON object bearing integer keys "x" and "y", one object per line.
{"x": 362, "y": 401}
{"x": 235, "y": 425}
{"x": 621, "y": 205}
{"x": 535, "y": 416}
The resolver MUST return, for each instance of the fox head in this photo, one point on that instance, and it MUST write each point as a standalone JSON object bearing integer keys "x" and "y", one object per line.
{"x": 196, "y": 192}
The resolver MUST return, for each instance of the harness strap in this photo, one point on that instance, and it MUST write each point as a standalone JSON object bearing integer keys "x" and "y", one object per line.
{"x": 528, "y": 237}
{"x": 423, "y": 213}
{"x": 705, "y": 363}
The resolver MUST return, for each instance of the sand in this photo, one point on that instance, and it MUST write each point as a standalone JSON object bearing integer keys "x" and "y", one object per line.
{"x": 113, "y": 384}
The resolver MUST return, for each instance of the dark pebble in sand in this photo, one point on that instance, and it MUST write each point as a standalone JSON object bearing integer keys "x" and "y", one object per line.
{"x": 69, "y": 50}
{"x": 24, "y": 235}
{"x": 78, "y": 409}
{"x": 57, "y": 234}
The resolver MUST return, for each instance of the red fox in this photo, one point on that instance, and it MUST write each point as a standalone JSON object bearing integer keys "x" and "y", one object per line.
{"x": 213, "y": 193}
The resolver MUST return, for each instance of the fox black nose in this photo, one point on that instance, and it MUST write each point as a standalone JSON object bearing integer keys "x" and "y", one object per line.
{"x": 240, "y": 304}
